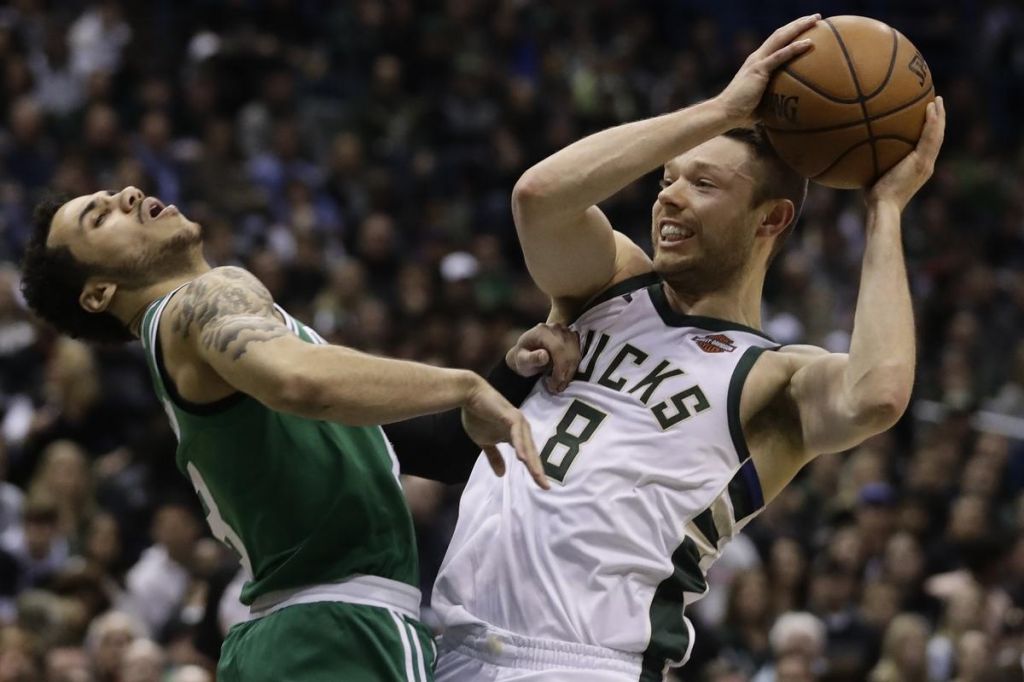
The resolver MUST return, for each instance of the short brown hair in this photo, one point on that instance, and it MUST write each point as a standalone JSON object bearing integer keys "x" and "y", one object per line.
{"x": 779, "y": 182}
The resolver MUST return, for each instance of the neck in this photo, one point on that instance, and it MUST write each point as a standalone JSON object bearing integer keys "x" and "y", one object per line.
{"x": 129, "y": 305}
{"x": 737, "y": 301}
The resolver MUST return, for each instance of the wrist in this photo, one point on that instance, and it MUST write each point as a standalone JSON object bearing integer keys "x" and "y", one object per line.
{"x": 883, "y": 207}
{"x": 469, "y": 384}
{"x": 726, "y": 115}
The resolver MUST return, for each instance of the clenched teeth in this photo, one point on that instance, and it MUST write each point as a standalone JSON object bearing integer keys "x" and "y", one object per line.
{"x": 673, "y": 230}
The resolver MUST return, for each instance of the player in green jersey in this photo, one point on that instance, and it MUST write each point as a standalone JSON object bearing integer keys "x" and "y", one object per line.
{"x": 278, "y": 432}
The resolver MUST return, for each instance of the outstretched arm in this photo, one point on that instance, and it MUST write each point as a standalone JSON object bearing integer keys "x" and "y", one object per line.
{"x": 569, "y": 245}
{"x": 227, "y": 318}
{"x": 436, "y": 446}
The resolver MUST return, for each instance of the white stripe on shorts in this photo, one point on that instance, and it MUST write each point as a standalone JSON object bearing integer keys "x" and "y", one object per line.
{"x": 420, "y": 658}
{"x": 400, "y": 623}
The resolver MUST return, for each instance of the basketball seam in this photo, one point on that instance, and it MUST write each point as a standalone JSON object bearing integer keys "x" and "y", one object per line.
{"x": 860, "y": 94}
{"x": 818, "y": 91}
{"x": 898, "y": 138}
{"x": 850, "y": 124}
{"x": 892, "y": 64}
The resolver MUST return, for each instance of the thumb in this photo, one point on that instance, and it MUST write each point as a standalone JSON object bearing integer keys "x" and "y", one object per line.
{"x": 532, "y": 360}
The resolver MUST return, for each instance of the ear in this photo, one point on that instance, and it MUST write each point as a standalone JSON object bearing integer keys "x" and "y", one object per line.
{"x": 96, "y": 296}
{"x": 778, "y": 216}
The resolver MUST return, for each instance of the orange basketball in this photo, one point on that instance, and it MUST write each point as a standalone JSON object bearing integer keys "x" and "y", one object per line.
{"x": 852, "y": 106}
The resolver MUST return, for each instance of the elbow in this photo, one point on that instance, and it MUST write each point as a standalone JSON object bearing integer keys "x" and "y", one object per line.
{"x": 880, "y": 408}
{"x": 529, "y": 190}
{"x": 296, "y": 393}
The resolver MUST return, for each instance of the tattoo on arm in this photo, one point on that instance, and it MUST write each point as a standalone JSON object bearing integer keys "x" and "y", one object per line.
{"x": 228, "y": 310}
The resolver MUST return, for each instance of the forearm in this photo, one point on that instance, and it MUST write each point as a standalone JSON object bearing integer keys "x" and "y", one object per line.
{"x": 880, "y": 372}
{"x": 436, "y": 446}
{"x": 596, "y": 167}
{"x": 339, "y": 384}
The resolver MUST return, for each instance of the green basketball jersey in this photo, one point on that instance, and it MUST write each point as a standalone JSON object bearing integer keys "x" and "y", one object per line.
{"x": 301, "y": 501}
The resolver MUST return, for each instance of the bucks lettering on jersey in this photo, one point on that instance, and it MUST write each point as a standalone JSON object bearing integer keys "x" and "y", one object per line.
{"x": 301, "y": 501}
{"x": 651, "y": 477}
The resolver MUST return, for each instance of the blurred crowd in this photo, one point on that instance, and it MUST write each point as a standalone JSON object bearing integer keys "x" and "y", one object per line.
{"x": 358, "y": 157}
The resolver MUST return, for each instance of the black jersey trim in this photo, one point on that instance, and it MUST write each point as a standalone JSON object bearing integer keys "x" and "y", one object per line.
{"x": 670, "y": 635}
{"x": 187, "y": 406}
{"x": 739, "y": 378}
{"x": 676, "y": 319}
{"x": 623, "y": 288}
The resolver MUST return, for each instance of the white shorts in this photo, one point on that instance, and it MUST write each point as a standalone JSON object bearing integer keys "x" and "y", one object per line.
{"x": 486, "y": 654}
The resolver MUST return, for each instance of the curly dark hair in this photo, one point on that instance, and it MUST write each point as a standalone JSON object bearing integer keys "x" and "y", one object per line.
{"x": 52, "y": 280}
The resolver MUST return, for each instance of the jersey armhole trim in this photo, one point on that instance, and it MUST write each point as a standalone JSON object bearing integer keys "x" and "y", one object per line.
{"x": 187, "y": 406}
{"x": 736, "y": 383}
{"x": 626, "y": 286}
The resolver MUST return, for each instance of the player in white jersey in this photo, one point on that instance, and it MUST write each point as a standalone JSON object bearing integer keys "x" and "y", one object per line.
{"x": 684, "y": 419}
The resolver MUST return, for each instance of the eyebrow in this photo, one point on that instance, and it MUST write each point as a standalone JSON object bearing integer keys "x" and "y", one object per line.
{"x": 704, "y": 166}
{"x": 88, "y": 207}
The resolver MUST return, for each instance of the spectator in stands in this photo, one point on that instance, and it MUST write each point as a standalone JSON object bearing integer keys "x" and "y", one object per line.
{"x": 108, "y": 639}
{"x": 903, "y": 651}
{"x": 360, "y": 157}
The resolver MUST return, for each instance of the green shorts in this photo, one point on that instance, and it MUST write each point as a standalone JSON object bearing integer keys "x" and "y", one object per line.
{"x": 328, "y": 642}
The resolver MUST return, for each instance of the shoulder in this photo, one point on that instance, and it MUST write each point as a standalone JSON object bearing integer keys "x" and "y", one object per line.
{"x": 226, "y": 278}
{"x": 630, "y": 259}
{"x": 787, "y": 359}
{"x": 221, "y": 293}
{"x": 771, "y": 373}
{"x": 224, "y": 290}
{"x": 631, "y": 262}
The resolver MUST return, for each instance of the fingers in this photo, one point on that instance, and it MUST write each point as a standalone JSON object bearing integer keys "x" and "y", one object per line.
{"x": 550, "y": 347}
{"x": 495, "y": 459}
{"x": 784, "y": 35}
{"x": 565, "y": 358}
{"x": 526, "y": 451}
{"x": 934, "y": 131}
{"x": 787, "y": 53}
{"x": 532, "y": 361}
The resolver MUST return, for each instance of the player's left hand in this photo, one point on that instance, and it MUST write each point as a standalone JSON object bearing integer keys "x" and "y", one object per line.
{"x": 489, "y": 419}
{"x": 901, "y": 182}
{"x": 550, "y": 348}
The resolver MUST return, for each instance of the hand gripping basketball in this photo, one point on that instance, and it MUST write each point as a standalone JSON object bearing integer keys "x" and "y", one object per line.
{"x": 904, "y": 179}
{"x": 742, "y": 96}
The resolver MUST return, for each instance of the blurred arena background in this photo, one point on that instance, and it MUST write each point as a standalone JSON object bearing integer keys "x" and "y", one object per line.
{"x": 358, "y": 156}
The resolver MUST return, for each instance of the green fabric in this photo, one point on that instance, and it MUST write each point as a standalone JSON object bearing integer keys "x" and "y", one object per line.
{"x": 327, "y": 642}
{"x": 302, "y": 501}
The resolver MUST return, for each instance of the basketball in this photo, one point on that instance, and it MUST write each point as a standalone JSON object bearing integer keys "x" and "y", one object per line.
{"x": 852, "y": 106}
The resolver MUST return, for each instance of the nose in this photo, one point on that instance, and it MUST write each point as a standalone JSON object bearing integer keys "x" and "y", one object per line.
{"x": 672, "y": 195}
{"x": 129, "y": 197}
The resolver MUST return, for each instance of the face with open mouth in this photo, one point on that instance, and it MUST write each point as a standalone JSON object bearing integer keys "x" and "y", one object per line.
{"x": 151, "y": 208}
{"x": 124, "y": 231}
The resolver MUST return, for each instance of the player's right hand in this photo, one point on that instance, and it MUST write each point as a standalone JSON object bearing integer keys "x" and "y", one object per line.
{"x": 550, "y": 348}
{"x": 901, "y": 182}
{"x": 489, "y": 419}
{"x": 742, "y": 96}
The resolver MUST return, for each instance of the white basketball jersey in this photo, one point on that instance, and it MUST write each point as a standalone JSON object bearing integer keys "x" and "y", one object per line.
{"x": 650, "y": 478}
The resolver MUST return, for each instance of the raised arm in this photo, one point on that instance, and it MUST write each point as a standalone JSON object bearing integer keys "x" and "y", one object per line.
{"x": 839, "y": 400}
{"x": 227, "y": 318}
{"x": 570, "y": 248}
